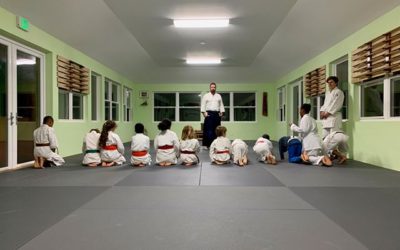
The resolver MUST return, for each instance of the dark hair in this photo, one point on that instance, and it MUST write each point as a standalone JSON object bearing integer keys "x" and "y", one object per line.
{"x": 333, "y": 78}
{"x": 47, "y": 119}
{"x": 139, "y": 128}
{"x": 95, "y": 129}
{"x": 107, "y": 126}
{"x": 220, "y": 131}
{"x": 306, "y": 107}
{"x": 164, "y": 125}
{"x": 213, "y": 83}
{"x": 265, "y": 136}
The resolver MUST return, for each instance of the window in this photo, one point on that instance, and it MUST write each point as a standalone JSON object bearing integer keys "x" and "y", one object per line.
{"x": 111, "y": 99}
{"x": 395, "y": 97}
{"x": 164, "y": 106}
{"x": 239, "y": 106}
{"x": 70, "y": 105}
{"x": 372, "y": 99}
{"x": 127, "y": 105}
{"x": 95, "y": 90}
{"x": 189, "y": 106}
{"x": 244, "y": 106}
{"x": 316, "y": 103}
{"x": 282, "y": 104}
{"x": 341, "y": 70}
{"x": 226, "y": 100}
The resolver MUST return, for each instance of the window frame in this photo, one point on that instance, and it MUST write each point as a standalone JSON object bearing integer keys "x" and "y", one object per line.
{"x": 386, "y": 82}
{"x": 281, "y": 92}
{"x": 108, "y": 99}
{"x": 334, "y": 72}
{"x": 232, "y": 110}
{"x": 95, "y": 95}
{"x": 127, "y": 106}
{"x": 70, "y": 108}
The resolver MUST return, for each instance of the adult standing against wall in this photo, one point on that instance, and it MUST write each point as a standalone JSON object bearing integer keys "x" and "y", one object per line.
{"x": 330, "y": 112}
{"x": 212, "y": 109}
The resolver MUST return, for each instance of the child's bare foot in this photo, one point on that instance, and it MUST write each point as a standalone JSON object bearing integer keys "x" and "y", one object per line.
{"x": 304, "y": 157}
{"x": 326, "y": 161}
{"x": 167, "y": 164}
{"x": 271, "y": 159}
{"x": 188, "y": 164}
{"x": 342, "y": 160}
{"x": 92, "y": 164}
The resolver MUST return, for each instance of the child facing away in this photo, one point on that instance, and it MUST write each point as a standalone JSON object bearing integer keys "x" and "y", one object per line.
{"x": 239, "y": 152}
{"x": 264, "y": 149}
{"x": 190, "y": 147}
{"x": 140, "y": 146}
{"x": 112, "y": 149}
{"x": 166, "y": 145}
{"x": 220, "y": 149}
{"x": 335, "y": 144}
{"x": 91, "y": 148}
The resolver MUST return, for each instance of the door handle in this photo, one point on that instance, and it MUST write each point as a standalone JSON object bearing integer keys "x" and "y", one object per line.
{"x": 11, "y": 119}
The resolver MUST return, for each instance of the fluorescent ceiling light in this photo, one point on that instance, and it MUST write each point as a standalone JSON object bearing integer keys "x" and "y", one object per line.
{"x": 203, "y": 61}
{"x": 201, "y": 23}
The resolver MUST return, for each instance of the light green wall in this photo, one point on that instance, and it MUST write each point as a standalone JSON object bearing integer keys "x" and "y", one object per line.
{"x": 243, "y": 130}
{"x": 371, "y": 141}
{"x": 70, "y": 133}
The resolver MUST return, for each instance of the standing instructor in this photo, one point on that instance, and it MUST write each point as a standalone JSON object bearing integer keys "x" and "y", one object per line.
{"x": 213, "y": 109}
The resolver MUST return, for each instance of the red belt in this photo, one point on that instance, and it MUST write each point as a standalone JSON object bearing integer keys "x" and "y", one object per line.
{"x": 260, "y": 142}
{"x": 139, "y": 153}
{"x": 110, "y": 147}
{"x": 166, "y": 147}
{"x": 222, "y": 152}
{"x": 187, "y": 152}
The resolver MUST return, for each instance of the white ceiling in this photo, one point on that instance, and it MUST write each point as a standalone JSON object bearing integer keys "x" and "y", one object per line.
{"x": 266, "y": 38}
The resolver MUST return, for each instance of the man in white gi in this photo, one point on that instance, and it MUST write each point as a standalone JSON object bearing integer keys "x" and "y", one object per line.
{"x": 45, "y": 145}
{"x": 212, "y": 109}
{"x": 336, "y": 144}
{"x": 330, "y": 112}
{"x": 308, "y": 131}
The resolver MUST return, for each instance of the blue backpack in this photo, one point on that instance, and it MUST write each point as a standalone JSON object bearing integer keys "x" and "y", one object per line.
{"x": 294, "y": 147}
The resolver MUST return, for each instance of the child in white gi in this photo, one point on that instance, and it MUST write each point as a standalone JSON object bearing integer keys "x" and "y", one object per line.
{"x": 220, "y": 149}
{"x": 112, "y": 149}
{"x": 239, "y": 152}
{"x": 45, "y": 145}
{"x": 140, "y": 147}
{"x": 166, "y": 145}
{"x": 91, "y": 148}
{"x": 189, "y": 146}
{"x": 336, "y": 145}
{"x": 264, "y": 149}
{"x": 312, "y": 148}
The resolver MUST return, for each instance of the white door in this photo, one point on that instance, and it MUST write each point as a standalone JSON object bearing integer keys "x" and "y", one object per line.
{"x": 296, "y": 90}
{"x": 21, "y": 101}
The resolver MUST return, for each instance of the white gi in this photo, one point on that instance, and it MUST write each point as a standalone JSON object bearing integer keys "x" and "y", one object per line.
{"x": 333, "y": 104}
{"x": 115, "y": 155}
{"x": 308, "y": 131}
{"x": 189, "y": 150}
{"x": 220, "y": 149}
{"x": 239, "y": 150}
{"x": 263, "y": 148}
{"x": 45, "y": 135}
{"x": 140, "y": 147}
{"x": 212, "y": 102}
{"x": 336, "y": 140}
{"x": 167, "y": 138}
{"x": 90, "y": 145}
